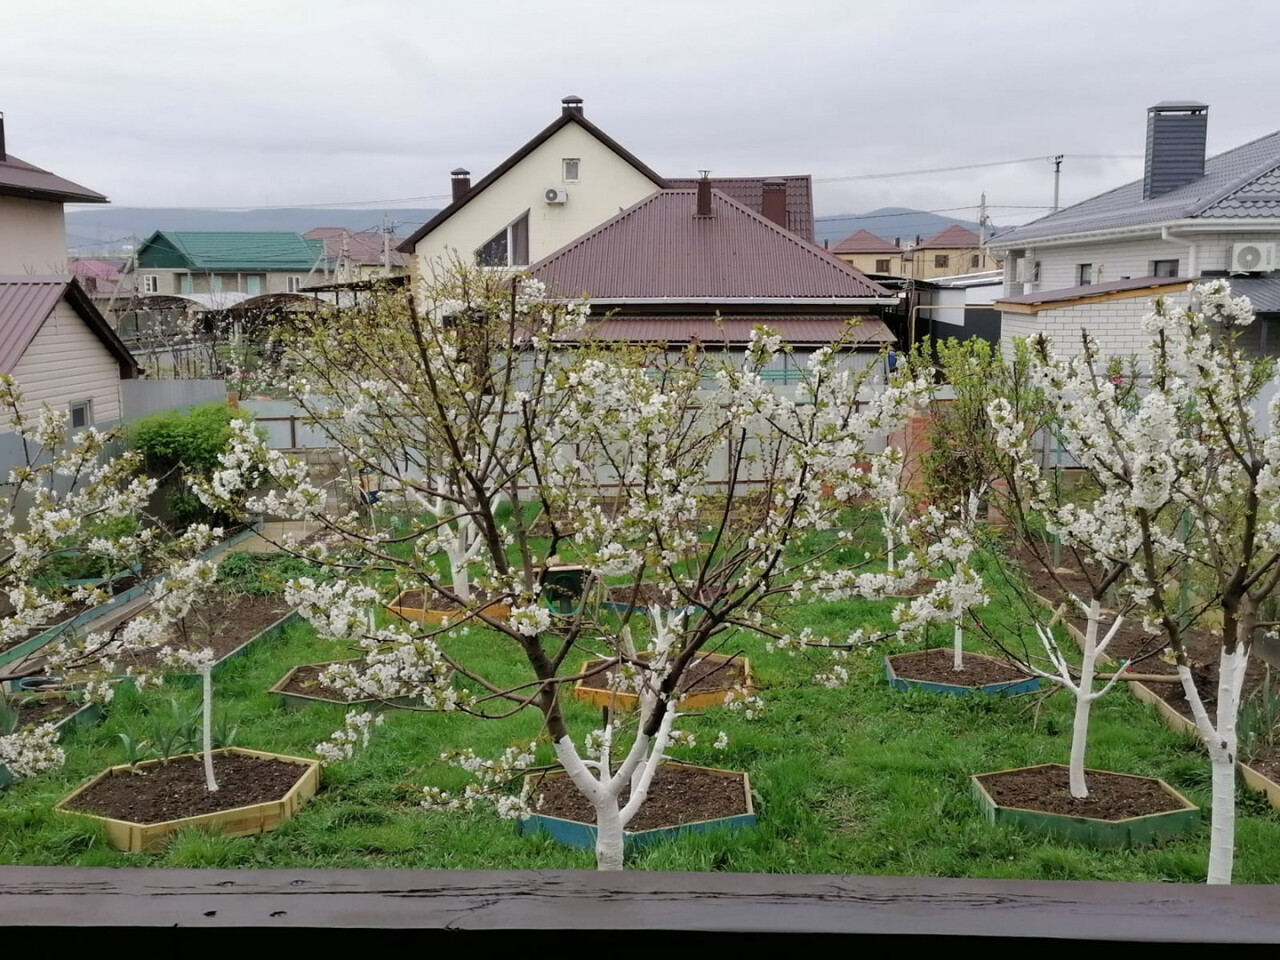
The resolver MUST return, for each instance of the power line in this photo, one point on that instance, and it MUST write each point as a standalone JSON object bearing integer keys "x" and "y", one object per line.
{"x": 913, "y": 213}
{"x": 969, "y": 166}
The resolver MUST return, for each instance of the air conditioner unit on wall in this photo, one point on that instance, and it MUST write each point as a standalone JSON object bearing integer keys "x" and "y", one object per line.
{"x": 1253, "y": 257}
{"x": 555, "y": 195}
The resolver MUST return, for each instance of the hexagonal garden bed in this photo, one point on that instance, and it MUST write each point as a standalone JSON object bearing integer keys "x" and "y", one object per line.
{"x": 932, "y": 671}
{"x": 301, "y": 686}
{"x": 706, "y": 682}
{"x": 416, "y": 605}
{"x": 1120, "y": 810}
{"x": 140, "y": 806}
{"x": 683, "y": 798}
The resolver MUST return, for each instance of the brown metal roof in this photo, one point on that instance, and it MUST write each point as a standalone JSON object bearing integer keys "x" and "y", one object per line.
{"x": 567, "y": 116}
{"x": 749, "y": 191}
{"x": 1137, "y": 284}
{"x": 864, "y": 241}
{"x": 364, "y": 247}
{"x": 954, "y": 237}
{"x": 796, "y": 329}
{"x": 658, "y": 249}
{"x": 25, "y": 304}
{"x": 21, "y": 179}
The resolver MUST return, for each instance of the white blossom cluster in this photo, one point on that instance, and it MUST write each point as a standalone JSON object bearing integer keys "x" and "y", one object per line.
{"x": 31, "y": 751}
{"x": 492, "y": 780}
{"x": 355, "y": 733}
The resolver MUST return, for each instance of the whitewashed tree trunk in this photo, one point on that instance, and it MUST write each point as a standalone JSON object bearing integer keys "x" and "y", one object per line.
{"x": 206, "y": 684}
{"x": 1084, "y": 703}
{"x": 1221, "y": 743}
{"x": 889, "y": 545}
{"x": 957, "y": 646}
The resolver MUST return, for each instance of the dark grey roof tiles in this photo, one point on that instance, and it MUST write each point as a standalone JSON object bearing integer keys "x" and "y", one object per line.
{"x": 1223, "y": 191}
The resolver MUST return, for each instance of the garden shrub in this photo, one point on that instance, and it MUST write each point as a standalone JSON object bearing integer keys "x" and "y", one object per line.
{"x": 178, "y": 446}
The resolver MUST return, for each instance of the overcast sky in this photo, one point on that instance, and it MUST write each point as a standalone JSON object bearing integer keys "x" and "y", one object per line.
{"x": 246, "y": 103}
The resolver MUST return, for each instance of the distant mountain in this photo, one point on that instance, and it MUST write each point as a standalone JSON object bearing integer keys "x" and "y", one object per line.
{"x": 102, "y": 229}
{"x": 891, "y": 223}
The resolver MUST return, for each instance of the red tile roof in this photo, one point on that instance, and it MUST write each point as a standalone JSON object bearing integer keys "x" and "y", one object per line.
{"x": 749, "y": 191}
{"x": 954, "y": 237}
{"x": 796, "y": 329}
{"x": 364, "y": 247}
{"x": 864, "y": 241}
{"x": 566, "y": 117}
{"x": 658, "y": 249}
{"x": 90, "y": 268}
{"x": 21, "y": 179}
{"x": 25, "y": 304}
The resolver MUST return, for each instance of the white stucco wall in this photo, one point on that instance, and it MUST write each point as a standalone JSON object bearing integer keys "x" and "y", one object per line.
{"x": 33, "y": 237}
{"x": 1116, "y": 259}
{"x": 66, "y": 363}
{"x": 607, "y": 184}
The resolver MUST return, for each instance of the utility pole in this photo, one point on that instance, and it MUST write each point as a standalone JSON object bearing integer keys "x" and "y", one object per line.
{"x": 982, "y": 230}
{"x": 386, "y": 247}
{"x": 1057, "y": 177}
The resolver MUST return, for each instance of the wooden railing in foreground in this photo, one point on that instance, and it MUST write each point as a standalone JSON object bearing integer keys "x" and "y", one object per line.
{"x": 393, "y": 908}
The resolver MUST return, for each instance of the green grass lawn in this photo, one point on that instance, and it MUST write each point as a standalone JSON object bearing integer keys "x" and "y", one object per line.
{"x": 853, "y": 780}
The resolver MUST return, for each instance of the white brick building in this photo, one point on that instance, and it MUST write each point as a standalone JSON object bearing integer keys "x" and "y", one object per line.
{"x": 1097, "y": 264}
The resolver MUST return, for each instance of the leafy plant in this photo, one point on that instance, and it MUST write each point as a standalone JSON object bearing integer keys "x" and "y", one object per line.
{"x": 178, "y": 733}
{"x": 260, "y": 575}
{"x": 135, "y": 751}
{"x": 180, "y": 446}
{"x": 8, "y": 716}
{"x": 224, "y": 732}
{"x": 1259, "y": 723}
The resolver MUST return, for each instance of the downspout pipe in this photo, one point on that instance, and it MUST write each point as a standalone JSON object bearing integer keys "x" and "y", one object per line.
{"x": 1192, "y": 266}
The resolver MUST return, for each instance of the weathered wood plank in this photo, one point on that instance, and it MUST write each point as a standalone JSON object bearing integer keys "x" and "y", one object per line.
{"x": 756, "y": 904}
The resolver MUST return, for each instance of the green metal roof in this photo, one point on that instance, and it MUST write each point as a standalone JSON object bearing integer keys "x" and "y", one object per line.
{"x": 221, "y": 251}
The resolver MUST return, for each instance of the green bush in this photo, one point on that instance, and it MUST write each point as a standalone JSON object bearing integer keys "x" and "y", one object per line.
{"x": 178, "y": 446}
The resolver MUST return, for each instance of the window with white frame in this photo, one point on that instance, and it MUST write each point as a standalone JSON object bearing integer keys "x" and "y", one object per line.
{"x": 294, "y": 284}
{"x": 509, "y": 247}
{"x": 570, "y": 166}
{"x": 81, "y": 414}
{"x": 1084, "y": 274}
{"x": 150, "y": 283}
{"x": 1164, "y": 268}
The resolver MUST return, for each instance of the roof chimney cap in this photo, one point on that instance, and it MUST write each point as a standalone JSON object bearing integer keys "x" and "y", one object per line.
{"x": 571, "y": 104}
{"x": 459, "y": 172}
{"x": 1178, "y": 106}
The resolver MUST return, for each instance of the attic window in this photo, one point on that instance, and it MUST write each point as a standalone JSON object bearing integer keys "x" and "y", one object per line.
{"x": 570, "y": 165}
{"x": 509, "y": 247}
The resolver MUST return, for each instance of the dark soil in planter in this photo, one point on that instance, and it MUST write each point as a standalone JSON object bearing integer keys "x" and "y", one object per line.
{"x": 936, "y": 666}
{"x": 1048, "y": 789}
{"x": 678, "y": 794}
{"x": 421, "y": 600}
{"x": 306, "y": 681}
{"x": 701, "y": 676}
{"x": 174, "y": 790}
{"x": 37, "y": 710}
{"x": 222, "y": 624}
{"x": 648, "y": 595}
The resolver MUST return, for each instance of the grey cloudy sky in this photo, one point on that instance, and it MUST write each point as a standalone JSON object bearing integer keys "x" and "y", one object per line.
{"x": 277, "y": 102}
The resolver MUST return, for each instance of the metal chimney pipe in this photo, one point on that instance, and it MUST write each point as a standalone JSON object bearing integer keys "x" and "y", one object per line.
{"x": 461, "y": 182}
{"x": 3, "y": 156}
